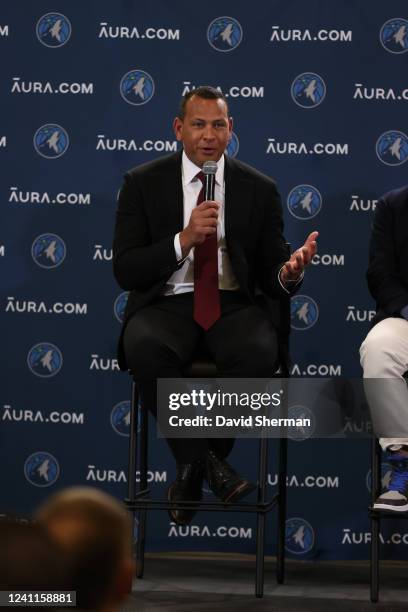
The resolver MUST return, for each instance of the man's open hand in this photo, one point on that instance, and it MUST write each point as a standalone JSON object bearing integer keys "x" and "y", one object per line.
{"x": 293, "y": 268}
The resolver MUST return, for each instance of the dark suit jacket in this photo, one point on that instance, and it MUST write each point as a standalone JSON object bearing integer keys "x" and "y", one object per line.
{"x": 150, "y": 213}
{"x": 387, "y": 273}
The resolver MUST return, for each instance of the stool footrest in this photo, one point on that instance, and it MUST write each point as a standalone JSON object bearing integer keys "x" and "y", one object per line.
{"x": 144, "y": 503}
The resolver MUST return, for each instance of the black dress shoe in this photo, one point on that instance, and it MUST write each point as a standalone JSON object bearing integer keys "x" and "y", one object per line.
{"x": 223, "y": 480}
{"x": 188, "y": 486}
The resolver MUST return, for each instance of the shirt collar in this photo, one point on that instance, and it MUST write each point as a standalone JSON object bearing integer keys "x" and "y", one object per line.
{"x": 190, "y": 170}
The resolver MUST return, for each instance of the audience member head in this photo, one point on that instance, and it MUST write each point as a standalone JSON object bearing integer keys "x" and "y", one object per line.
{"x": 30, "y": 559}
{"x": 94, "y": 530}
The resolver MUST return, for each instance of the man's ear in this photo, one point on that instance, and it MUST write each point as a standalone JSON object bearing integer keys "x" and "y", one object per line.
{"x": 230, "y": 127}
{"x": 178, "y": 128}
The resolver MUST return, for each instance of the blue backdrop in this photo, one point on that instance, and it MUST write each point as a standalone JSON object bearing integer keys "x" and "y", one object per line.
{"x": 319, "y": 98}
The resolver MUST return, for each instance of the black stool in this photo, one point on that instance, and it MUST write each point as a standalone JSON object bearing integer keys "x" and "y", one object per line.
{"x": 377, "y": 515}
{"x": 375, "y": 519}
{"x": 139, "y": 501}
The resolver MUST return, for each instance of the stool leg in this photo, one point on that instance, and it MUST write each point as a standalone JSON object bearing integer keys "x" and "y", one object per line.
{"x": 260, "y": 520}
{"x": 374, "y": 561}
{"x": 375, "y": 521}
{"x": 134, "y": 408}
{"x": 141, "y": 540}
{"x": 132, "y": 456}
{"x": 283, "y": 468}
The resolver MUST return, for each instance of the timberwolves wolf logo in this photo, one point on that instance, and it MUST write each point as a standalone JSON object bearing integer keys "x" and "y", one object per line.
{"x": 386, "y": 473}
{"x": 224, "y": 34}
{"x": 308, "y": 90}
{"x": 137, "y": 87}
{"x": 303, "y": 312}
{"x": 299, "y": 536}
{"x": 233, "y": 146}
{"x": 41, "y": 469}
{"x": 53, "y": 30}
{"x": 304, "y": 202}
{"x": 392, "y": 148}
{"x": 44, "y": 360}
{"x": 51, "y": 141}
{"x": 48, "y": 251}
{"x": 394, "y": 35}
{"x": 120, "y": 418}
{"x": 120, "y": 305}
{"x": 303, "y": 432}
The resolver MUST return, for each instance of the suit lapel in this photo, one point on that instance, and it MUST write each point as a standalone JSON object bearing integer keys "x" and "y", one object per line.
{"x": 238, "y": 202}
{"x": 239, "y": 196}
{"x": 169, "y": 196}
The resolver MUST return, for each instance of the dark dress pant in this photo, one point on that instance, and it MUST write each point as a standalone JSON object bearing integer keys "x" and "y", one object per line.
{"x": 161, "y": 339}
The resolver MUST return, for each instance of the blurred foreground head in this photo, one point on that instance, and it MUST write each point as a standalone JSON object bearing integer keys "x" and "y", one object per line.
{"x": 30, "y": 559}
{"x": 94, "y": 530}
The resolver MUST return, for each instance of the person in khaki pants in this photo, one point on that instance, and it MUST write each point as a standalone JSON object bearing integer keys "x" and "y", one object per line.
{"x": 384, "y": 352}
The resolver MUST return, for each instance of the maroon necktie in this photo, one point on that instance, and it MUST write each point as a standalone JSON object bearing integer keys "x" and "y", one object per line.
{"x": 207, "y": 308}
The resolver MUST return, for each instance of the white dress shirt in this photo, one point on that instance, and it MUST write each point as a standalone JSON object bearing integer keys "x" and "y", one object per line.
{"x": 182, "y": 280}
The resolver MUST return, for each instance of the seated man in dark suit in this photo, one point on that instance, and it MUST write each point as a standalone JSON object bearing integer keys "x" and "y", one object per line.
{"x": 384, "y": 352}
{"x": 192, "y": 268}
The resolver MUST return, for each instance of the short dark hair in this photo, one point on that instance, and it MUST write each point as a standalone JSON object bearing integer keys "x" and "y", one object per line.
{"x": 206, "y": 92}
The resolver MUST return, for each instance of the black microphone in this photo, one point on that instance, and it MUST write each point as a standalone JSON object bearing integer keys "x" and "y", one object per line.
{"x": 209, "y": 170}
